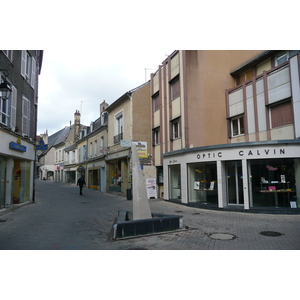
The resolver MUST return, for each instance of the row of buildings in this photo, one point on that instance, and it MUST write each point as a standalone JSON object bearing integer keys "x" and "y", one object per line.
{"x": 19, "y": 73}
{"x": 213, "y": 128}
{"x": 218, "y": 129}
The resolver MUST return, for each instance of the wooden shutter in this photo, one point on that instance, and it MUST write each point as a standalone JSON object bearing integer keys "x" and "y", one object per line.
{"x": 281, "y": 114}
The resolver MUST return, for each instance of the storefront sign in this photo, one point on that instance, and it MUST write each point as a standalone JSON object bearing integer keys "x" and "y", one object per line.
{"x": 16, "y": 146}
{"x": 241, "y": 153}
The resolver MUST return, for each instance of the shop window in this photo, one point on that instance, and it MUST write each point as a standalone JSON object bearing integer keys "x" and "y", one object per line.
{"x": 175, "y": 129}
{"x": 175, "y": 88}
{"x": 281, "y": 114}
{"x": 175, "y": 182}
{"x": 156, "y": 136}
{"x": 203, "y": 183}
{"x": 237, "y": 126}
{"x": 155, "y": 102}
{"x": 274, "y": 182}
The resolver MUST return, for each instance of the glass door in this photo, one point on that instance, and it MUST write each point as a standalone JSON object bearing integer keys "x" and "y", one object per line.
{"x": 235, "y": 193}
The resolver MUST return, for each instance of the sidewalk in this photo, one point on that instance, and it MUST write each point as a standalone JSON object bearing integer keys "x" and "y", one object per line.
{"x": 62, "y": 219}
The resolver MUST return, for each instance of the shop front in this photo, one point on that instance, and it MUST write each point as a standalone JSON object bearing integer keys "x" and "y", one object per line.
{"x": 96, "y": 175}
{"x": 247, "y": 175}
{"x": 16, "y": 171}
{"x": 118, "y": 177}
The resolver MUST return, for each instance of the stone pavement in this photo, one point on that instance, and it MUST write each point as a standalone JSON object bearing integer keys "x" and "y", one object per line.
{"x": 61, "y": 219}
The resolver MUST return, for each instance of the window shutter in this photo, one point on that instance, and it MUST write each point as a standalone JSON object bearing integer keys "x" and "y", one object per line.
{"x": 33, "y": 70}
{"x": 13, "y": 108}
{"x": 26, "y": 116}
{"x": 23, "y": 63}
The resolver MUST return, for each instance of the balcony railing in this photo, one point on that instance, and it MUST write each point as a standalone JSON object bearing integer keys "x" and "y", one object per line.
{"x": 118, "y": 138}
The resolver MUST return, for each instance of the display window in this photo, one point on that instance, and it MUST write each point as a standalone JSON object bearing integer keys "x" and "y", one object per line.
{"x": 175, "y": 182}
{"x": 273, "y": 182}
{"x": 203, "y": 183}
{"x": 115, "y": 176}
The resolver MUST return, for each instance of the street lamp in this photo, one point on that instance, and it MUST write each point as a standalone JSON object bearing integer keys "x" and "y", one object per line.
{"x": 5, "y": 87}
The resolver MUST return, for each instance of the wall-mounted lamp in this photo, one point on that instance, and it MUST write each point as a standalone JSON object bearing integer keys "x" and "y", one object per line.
{"x": 5, "y": 87}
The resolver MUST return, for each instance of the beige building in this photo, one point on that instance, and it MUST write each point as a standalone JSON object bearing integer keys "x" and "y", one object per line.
{"x": 129, "y": 120}
{"x": 224, "y": 128}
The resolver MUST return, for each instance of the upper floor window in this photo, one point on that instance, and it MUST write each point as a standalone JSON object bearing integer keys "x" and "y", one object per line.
{"x": 237, "y": 126}
{"x": 281, "y": 58}
{"x": 9, "y": 54}
{"x": 118, "y": 128}
{"x": 155, "y": 102}
{"x": 156, "y": 136}
{"x": 281, "y": 114}
{"x": 28, "y": 68}
{"x": 175, "y": 129}
{"x": 175, "y": 88}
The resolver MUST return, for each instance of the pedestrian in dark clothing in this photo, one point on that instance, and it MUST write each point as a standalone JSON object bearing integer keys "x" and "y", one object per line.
{"x": 81, "y": 182}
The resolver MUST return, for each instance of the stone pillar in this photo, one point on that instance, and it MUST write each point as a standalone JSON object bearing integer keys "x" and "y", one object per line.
{"x": 141, "y": 207}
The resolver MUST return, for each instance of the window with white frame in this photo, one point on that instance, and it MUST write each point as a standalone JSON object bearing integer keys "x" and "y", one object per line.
{"x": 4, "y": 111}
{"x": 26, "y": 107}
{"x": 102, "y": 142}
{"x": 281, "y": 58}
{"x": 28, "y": 67}
{"x": 9, "y": 54}
{"x": 118, "y": 127}
{"x": 8, "y": 109}
{"x": 175, "y": 129}
{"x": 237, "y": 126}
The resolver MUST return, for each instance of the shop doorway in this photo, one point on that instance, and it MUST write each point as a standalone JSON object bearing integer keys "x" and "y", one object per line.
{"x": 235, "y": 194}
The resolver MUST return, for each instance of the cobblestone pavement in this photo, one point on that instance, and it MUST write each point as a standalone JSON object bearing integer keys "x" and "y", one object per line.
{"x": 61, "y": 219}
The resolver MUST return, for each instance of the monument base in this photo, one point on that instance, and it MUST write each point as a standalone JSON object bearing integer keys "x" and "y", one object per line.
{"x": 127, "y": 227}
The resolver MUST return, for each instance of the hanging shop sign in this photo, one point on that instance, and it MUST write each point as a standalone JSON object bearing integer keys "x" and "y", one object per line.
{"x": 41, "y": 146}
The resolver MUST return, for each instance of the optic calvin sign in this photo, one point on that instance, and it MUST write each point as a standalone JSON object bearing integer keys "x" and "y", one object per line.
{"x": 248, "y": 153}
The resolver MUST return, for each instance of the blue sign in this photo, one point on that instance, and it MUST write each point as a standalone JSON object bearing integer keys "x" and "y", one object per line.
{"x": 16, "y": 146}
{"x": 41, "y": 146}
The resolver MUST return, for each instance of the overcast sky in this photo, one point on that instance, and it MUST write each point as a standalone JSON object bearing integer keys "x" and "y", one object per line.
{"x": 72, "y": 79}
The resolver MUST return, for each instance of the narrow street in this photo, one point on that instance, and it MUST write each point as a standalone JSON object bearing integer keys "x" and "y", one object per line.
{"x": 61, "y": 219}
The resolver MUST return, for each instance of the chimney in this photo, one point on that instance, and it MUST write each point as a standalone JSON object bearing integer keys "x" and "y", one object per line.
{"x": 103, "y": 107}
{"x": 76, "y": 125}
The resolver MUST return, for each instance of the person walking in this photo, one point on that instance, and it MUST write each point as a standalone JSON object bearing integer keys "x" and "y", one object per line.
{"x": 81, "y": 183}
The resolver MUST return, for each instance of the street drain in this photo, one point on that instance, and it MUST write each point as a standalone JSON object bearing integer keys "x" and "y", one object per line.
{"x": 89, "y": 232}
{"x": 271, "y": 233}
{"x": 178, "y": 211}
{"x": 222, "y": 236}
{"x": 3, "y": 220}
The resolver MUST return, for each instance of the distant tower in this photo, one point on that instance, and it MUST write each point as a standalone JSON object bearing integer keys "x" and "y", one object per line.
{"x": 103, "y": 107}
{"x": 77, "y": 125}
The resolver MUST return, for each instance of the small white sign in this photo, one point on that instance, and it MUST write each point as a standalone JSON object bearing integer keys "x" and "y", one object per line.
{"x": 125, "y": 143}
{"x": 293, "y": 204}
{"x": 151, "y": 188}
